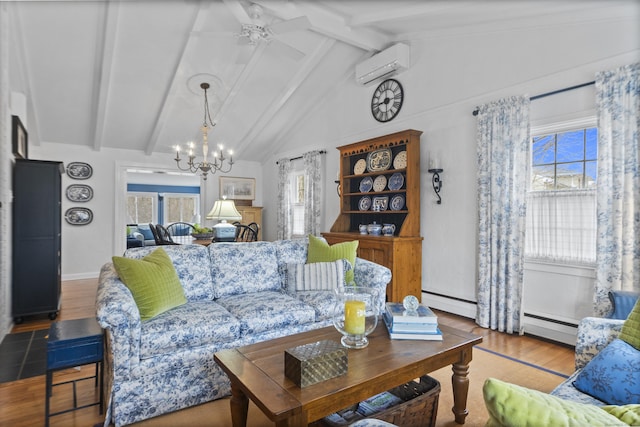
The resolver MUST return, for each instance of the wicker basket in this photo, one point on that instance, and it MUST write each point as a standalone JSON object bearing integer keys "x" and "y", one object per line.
{"x": 419, "y": 407}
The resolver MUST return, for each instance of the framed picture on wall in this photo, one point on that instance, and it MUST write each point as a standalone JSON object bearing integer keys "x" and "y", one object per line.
{"x": 237, "y": 188}
{"x": 20, "y": 138}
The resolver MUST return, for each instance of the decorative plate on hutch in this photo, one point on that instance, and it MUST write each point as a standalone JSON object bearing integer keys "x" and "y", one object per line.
{"x": 380, "y": 203}
{"x": 366, "y": 184}
{"x": 395, "y": 181}
{"x": 397, "y": 202}
{"x": 365, "y": 203}
{"x": 379, "y": 183}
{"x": 379, "y": 160}
{"x": 400, "y": 161}
{"x": 360, "y": 167}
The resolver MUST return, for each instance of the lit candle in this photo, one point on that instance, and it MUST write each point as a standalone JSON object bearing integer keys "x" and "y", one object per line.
{"x": 354, "y": 317}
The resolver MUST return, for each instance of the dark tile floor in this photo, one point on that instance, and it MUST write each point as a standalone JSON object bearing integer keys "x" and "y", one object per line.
{"x": 23, "y": 355}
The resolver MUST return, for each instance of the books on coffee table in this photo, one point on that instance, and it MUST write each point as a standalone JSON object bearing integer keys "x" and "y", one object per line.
{"x": 422, "y": 325}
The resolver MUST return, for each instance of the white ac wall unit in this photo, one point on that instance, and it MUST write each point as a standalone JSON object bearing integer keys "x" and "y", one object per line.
{"x": 391, "y": 60}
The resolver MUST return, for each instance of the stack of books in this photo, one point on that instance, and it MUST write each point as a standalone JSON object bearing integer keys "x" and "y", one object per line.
{"x": 422, "y": 325}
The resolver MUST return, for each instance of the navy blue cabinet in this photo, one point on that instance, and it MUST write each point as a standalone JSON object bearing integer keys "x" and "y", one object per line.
{"x": 37, "y": 249}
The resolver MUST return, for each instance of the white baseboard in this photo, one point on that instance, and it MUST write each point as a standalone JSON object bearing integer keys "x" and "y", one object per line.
{"x": 79, "y": 276}
{"x": 538, "y": 327}
{"x": 450, "y": 305}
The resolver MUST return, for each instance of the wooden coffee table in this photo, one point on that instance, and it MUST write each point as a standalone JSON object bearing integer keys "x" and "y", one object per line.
{"x": 257, "y": 373}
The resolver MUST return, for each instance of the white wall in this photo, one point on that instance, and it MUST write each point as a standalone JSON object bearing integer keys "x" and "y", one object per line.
{"x": 448, "y": 78}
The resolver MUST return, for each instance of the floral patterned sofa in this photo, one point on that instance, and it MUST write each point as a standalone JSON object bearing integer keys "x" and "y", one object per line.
{"x": 235, "y": 296}
{"x": 594, "y": 333}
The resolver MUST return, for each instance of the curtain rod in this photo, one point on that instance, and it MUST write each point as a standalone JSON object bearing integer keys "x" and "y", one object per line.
{"x": 555, "y": 92}
{"x": 299, "y": 157}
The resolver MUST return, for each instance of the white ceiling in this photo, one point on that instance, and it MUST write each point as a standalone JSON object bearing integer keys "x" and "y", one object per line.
{"x": 127, "y": 74}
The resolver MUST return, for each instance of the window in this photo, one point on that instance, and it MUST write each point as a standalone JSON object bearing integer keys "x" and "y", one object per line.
{"x": 564, "y": 161}
{"x": 297, "y": 203}
{"x": 561, "y": 203}
{"x": 180, "y": 207}
{"x": 162, "y": 204}
{"x": 141, "y": 208}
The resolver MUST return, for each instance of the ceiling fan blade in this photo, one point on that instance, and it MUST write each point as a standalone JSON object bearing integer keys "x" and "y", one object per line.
{"x": 285, "y": 49}
{"x": 300, "y": 23}
{"x": 236, "y": 8}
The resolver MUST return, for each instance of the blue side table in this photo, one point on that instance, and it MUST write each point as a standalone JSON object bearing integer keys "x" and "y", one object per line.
{"x": 74, "y": 343}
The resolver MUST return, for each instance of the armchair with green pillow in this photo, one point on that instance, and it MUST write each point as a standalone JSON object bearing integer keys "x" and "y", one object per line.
{"x": 603, "y": 391}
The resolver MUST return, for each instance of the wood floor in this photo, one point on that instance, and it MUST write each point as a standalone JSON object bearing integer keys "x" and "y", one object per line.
{"x": 22, "y": 402}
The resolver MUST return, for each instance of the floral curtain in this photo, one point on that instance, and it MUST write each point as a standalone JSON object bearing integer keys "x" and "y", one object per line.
{"x": 503, "y": 169}
{"x": 283, "y": 203}
{"x": 618, "y": 197}
{"x": 312, "y": 191}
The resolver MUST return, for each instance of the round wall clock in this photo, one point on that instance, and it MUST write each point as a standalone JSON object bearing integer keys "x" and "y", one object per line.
{"x": 387, "y": 100}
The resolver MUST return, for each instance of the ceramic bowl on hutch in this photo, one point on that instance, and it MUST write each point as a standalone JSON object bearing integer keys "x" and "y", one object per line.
{"x": 374, "y": 229}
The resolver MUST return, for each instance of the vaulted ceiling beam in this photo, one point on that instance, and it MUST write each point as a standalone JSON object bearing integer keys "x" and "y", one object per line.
{"x": 328, "y": 24}
{"x": 162, "y": 116}
{"x": 105, "y": 45}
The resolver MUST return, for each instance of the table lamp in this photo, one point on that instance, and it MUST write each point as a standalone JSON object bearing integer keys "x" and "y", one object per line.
{"x": 224, "y": 210}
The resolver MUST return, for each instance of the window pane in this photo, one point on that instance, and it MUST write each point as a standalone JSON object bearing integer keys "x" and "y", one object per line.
{"x": 179, "y": 209}
{"x": 592, "y": 144}
{"x": 591, "y": 172}
{"x": 570, "y": 146}
{"x": 542, "y": 178}
{"x": 569, "y": 175}
{"x": 140, "y": 209}
{"x": 543, "y": 149}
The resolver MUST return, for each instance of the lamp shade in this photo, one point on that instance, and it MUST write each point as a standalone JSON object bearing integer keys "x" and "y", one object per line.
{"x": 224, "y": 210}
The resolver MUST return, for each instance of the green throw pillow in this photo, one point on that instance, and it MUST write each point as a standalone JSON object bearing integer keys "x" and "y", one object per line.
{"x": 631, "y": 328}
{"x": 515, "y": 406}
{"x": 321, "y": 251}
{"x": 629, "y": 414}
{"x": 153, "y": 282}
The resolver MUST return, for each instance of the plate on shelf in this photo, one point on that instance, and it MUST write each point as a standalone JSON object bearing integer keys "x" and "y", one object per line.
{"x": 400, "y": 161}
{"x": 379, "y": 160}
{"x": 397, "y": 202}
{"x": 396, "y": 181}
{"x": 380, "y": 203}
{"x": 365, "y": 203}
{"x": 366, "y": 184}
{"x": 379, "y": 183}
{"x": 360, "y": 167}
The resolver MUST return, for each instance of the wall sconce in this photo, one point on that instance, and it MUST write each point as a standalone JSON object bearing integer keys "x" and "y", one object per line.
{"x": 436, "y": 182}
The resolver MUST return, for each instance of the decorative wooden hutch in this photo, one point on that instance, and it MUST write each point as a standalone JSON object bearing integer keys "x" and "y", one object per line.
{"x": 380, "y": 182}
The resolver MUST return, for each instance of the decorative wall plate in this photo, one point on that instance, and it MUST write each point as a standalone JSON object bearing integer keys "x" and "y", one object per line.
{"x": 379, "y": 160}
{"x": 400, "y": 161}
{"x": 396, "y": 181}
{"x": 79, "y": 170}
{"x": 380, "y": 203}
{"x": 78, "y": 216}
{"x": 365, "y": 203}
{"x": 79, "y": 193}
{"x": 366, "y": 184}
{"x": 379, "y": 183}
{"x": 360, "y": 167}
{"x": 397, "y": 202}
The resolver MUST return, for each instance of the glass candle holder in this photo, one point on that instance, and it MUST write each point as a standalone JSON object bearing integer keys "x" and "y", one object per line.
{"x": 356, "y": 314}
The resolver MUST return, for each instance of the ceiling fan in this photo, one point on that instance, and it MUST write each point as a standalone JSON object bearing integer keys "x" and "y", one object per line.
{"x": 254, "y": 30}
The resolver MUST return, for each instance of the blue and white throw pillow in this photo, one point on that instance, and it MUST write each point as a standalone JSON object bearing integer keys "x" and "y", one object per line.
{"x": 317, "y": 276}
{"x": 613, "y": 375}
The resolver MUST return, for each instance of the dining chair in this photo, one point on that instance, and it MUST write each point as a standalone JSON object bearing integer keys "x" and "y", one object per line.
{"x": 164, "y": 236}
{"x": 244, "y": 233}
